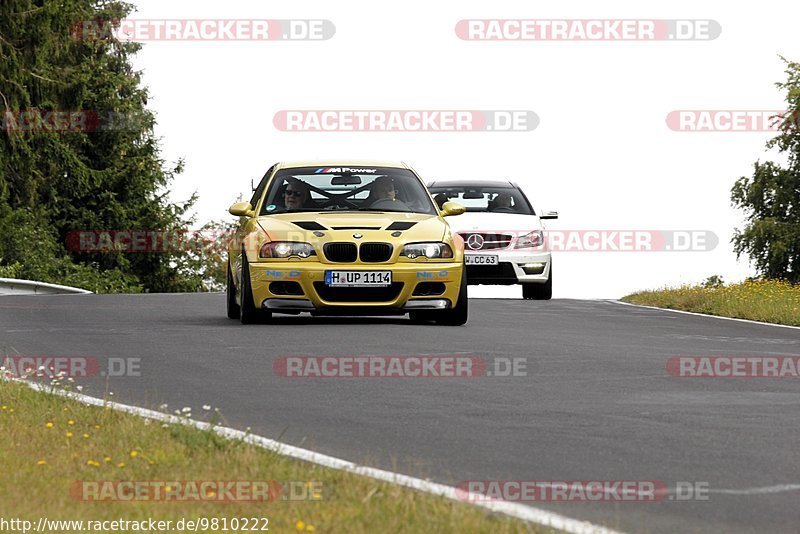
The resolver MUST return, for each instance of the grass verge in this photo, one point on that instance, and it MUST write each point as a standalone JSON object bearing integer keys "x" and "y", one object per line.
{"x": 49, "y": 442}
{"x": 770, "y": 301}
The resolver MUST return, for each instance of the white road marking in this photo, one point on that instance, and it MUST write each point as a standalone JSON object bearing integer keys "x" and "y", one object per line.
{"x": 519, "y": 511}
{"x": 703, "y": 314}
{"x": 758, "y": 491}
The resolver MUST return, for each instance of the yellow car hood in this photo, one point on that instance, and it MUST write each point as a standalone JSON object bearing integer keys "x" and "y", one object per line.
{"x": 340, "y": 226}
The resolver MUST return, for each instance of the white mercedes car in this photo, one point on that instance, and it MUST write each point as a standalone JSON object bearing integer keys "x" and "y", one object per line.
{"x": 504, "y": 241}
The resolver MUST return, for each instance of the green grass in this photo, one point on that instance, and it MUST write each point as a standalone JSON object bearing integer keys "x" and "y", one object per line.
{"x": 40, "y": 462}
{"x": 769, "y": 301}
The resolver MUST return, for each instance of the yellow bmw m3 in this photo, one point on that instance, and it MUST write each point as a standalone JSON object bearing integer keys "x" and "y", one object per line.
{"x": 345, "y": 239}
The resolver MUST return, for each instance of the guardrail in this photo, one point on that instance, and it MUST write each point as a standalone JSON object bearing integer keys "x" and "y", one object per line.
{"x": 13, "y": 286}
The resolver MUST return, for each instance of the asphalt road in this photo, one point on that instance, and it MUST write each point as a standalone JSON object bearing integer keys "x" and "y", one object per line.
{"x": 597, "y": 402}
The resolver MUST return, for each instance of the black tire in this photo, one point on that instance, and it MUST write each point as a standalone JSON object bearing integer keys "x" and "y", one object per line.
{"x": 249, "y": 313}
{"x": 234, "y": 311}
{"x": 539, "y": 291}
{"x": 458, "y": 314}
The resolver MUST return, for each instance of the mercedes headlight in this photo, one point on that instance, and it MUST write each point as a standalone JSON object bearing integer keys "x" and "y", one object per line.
{"x": 530, "y": 240}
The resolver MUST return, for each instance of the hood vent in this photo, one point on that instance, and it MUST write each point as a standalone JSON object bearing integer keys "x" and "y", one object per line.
{"x": 310, "y": 225}
{"x": 400, "y": 225}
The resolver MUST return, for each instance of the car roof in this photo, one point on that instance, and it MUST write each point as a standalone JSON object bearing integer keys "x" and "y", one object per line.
{"x": 471, "y": 183}
{"x": 341, "y": 163}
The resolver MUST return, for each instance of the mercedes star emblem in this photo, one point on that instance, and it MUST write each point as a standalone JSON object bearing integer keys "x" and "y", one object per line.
{"x": 475, "y": 242}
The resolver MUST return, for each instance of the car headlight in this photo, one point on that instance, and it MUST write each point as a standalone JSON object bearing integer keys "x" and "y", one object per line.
{"x": 427, "y": 250}
{"x": 532, "y": 239}
{"x": 286, "y": 249}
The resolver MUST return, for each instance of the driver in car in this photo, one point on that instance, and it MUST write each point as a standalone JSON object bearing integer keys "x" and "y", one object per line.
{"x": 502, "y": 202}
{"x": 296, "y": 194}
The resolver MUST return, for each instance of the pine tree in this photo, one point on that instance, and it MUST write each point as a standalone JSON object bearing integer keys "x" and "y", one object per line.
{"x": 106, "y": 176}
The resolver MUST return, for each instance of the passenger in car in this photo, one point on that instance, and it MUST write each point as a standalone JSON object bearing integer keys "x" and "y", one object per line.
{"x": 440, "y": 199}
{"x": 502, "y": 202}
{"x": 382, "y": 189}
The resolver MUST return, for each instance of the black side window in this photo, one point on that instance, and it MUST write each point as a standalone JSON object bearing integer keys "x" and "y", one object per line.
{"x": 260, "y": 189}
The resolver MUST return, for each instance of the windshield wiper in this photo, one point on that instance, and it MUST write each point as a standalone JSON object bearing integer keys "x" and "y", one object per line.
{"x": 396, "y": 211}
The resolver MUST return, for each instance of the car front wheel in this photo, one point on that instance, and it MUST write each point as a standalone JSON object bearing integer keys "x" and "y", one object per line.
{"x": 458, "y": 314}
{"x": 233, "y": 307}
{"x": 249, "y": 313}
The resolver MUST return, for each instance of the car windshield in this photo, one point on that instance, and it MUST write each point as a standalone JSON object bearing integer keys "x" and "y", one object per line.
{"x": 491, "y": 199}
{"x": 347, "y": 189}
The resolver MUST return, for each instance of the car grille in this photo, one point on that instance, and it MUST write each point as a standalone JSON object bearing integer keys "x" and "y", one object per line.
{"x": 285, "y": 288}
{"x": 358, "y": 294}
{"x": 375, "y": 252}
{"x": 501, "y": 271}
{"x": 341, "y": 252}
{"x": 490, "y": 241}
{"x": 427, "y": 289}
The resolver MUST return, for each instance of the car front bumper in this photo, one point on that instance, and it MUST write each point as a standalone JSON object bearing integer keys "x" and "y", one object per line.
{"x": 292, "y": 287}
{"x": 514, "y": 267}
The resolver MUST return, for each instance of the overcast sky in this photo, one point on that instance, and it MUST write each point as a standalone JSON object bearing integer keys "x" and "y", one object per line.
{"x": 602, "y": 154}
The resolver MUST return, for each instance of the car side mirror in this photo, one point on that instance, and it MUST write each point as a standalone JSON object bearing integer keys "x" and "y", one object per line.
{"x": 242, "y": 209}
{"x": 549, "y": 215}
{"x": 452, "y": 208}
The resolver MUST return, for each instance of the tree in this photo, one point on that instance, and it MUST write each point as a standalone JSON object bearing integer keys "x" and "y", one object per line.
{"x": 110, "y": 177}
{"x": 771, "y": 197}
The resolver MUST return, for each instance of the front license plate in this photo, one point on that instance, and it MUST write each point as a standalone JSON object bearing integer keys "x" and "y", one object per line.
{"x": 480, "y": 259}
{"x": 358, "y": 278}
